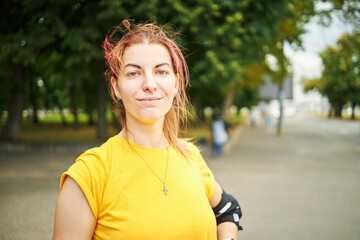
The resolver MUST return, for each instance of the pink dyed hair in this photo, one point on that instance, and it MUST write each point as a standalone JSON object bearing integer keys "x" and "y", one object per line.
{"x": 149, "y": 33}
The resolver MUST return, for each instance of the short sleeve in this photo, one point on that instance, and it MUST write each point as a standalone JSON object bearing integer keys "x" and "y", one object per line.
{"x": 207, "y": 176}
{"x": 89, "y": 173}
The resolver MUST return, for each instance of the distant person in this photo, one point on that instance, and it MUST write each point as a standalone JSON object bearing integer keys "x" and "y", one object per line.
{"x": 253, "y": 118}
{"x": 269, "y": 120}
{"x": 145, "y": 182}
{"x": 219, "y": 133}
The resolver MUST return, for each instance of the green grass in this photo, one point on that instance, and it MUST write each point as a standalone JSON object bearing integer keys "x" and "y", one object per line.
{"x": 56, "y": 133}
{"x": 51, "y": 130}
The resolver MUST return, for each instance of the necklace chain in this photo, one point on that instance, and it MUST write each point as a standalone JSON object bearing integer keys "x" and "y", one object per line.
{"x": 167, "y": 163}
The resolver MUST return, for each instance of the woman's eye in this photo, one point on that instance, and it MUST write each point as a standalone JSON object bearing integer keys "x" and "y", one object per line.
{"x": 161, "y": 72}
{"x": 133, "y": 74}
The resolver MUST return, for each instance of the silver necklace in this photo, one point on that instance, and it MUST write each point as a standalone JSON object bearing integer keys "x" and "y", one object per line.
{"x": 167, "y": 162}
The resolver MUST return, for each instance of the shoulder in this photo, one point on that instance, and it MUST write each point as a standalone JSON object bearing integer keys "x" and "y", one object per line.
{"x": 101, "y": 156}
{"x": 192, "y": 151}
{"x": 93, "y": 167}
{"x": 190, "y": 147}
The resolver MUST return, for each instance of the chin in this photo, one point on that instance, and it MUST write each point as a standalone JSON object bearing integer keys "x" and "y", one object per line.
{"x": 151, "y": 118}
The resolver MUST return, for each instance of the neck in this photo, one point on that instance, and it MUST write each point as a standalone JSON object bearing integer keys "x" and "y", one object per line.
{"x": 147, "y": 135}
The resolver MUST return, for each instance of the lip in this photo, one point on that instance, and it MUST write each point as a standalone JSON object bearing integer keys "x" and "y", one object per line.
{"x": 149, "y": 99}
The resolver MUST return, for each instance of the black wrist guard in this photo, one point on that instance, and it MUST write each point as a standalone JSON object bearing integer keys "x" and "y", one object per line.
{"x": 228, "y": 210}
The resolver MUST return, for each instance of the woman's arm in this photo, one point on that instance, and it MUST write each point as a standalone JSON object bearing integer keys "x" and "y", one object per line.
{"x": 225, "y": 230}
{"x": 73, "y": 216}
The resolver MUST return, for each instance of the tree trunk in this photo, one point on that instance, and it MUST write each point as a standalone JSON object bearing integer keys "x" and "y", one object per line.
{"x": 90, "y": 117}
{"x": 57, "y": 103}
{"x": 228, "y": 101}
{"x": 35, "y": 116}
{"x": 76, "y": 117}
{"x": 329, "y": 113}
{"x": 338, "y": 110}
{"x": 74, "y": 107}
{"x": 89, "y": 110}
{"x": 62, "y": 115}
{"x": 281, "y": 102}
{"x": 33, "y": 94}
{"x": 101, "y": 105}
{"x": 353, "y": 105}
{"x": 12, "y": 128}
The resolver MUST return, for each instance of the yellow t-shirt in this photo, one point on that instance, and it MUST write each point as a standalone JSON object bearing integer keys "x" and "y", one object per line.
{"x": 126, "y": 197}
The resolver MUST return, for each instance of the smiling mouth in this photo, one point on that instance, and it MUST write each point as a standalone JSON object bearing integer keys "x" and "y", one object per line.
{"x": 150, "y": 99}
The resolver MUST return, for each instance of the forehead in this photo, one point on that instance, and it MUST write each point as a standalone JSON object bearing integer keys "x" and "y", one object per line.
{"x": 146, "y": 54}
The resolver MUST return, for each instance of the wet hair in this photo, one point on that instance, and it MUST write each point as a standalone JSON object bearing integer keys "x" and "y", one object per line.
{"x": 149, "y": 33}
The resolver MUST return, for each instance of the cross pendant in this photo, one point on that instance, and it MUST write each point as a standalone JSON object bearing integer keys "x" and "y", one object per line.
{"x": 165, "y": 190}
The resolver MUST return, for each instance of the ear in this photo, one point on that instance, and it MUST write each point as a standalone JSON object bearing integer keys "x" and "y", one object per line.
{"x": 177, "y": 83}
{"x": 114, "y": 85}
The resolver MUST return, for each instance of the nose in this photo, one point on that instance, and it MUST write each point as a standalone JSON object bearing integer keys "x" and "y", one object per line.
{"x": 149, "y": 84}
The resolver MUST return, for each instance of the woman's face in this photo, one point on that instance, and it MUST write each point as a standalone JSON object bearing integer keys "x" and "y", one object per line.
{"x": 147, "y": 83}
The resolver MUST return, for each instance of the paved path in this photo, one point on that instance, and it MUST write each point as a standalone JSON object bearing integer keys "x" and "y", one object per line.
{"x": 297, "y": 186}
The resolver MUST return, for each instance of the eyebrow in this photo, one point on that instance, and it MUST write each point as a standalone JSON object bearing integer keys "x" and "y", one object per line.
{"x": 137, "y": 66}
{"x": 161, "y": 64}
{"x": 132, "y": 65}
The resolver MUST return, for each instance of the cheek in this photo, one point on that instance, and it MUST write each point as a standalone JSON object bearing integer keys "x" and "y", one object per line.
{"x": 170, "y": 87}
{"x": 127, "y": 89}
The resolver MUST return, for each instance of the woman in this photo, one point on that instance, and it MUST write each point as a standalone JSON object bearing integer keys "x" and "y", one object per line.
{"x": 145, "y": 182}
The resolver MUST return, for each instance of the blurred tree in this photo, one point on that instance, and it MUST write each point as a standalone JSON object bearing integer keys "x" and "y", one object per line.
{"x": 5, "y": 80}
{"x": 81, "y": 49}
{"x": 50, "y": 72}
{"x": 312, "y": 84}
{"x": 59, "y": 42}
{"x": 349, "y": 49}
{"x": 222, "y": 38}
{"x": 20, "y": 44}
{"x": 296, "y": 15}
{"x": 340, "y": 78}
{"x": 340, "y": 81}
{"x": 247, "y": 93}
{"x": 331, "y": 82}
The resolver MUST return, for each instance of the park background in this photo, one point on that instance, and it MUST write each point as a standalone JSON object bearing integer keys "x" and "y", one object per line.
{"x": 53, "y": 94}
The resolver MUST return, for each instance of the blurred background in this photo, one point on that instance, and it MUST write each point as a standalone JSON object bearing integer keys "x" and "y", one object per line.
{"x": 284, "y": 75}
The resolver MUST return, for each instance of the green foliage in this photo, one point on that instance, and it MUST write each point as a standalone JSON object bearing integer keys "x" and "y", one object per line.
{"x": 312, "y": 84}
{"x": 59, "y": 42}
{"x": 294, "y": 17}
{"x": 340, "y": 80}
